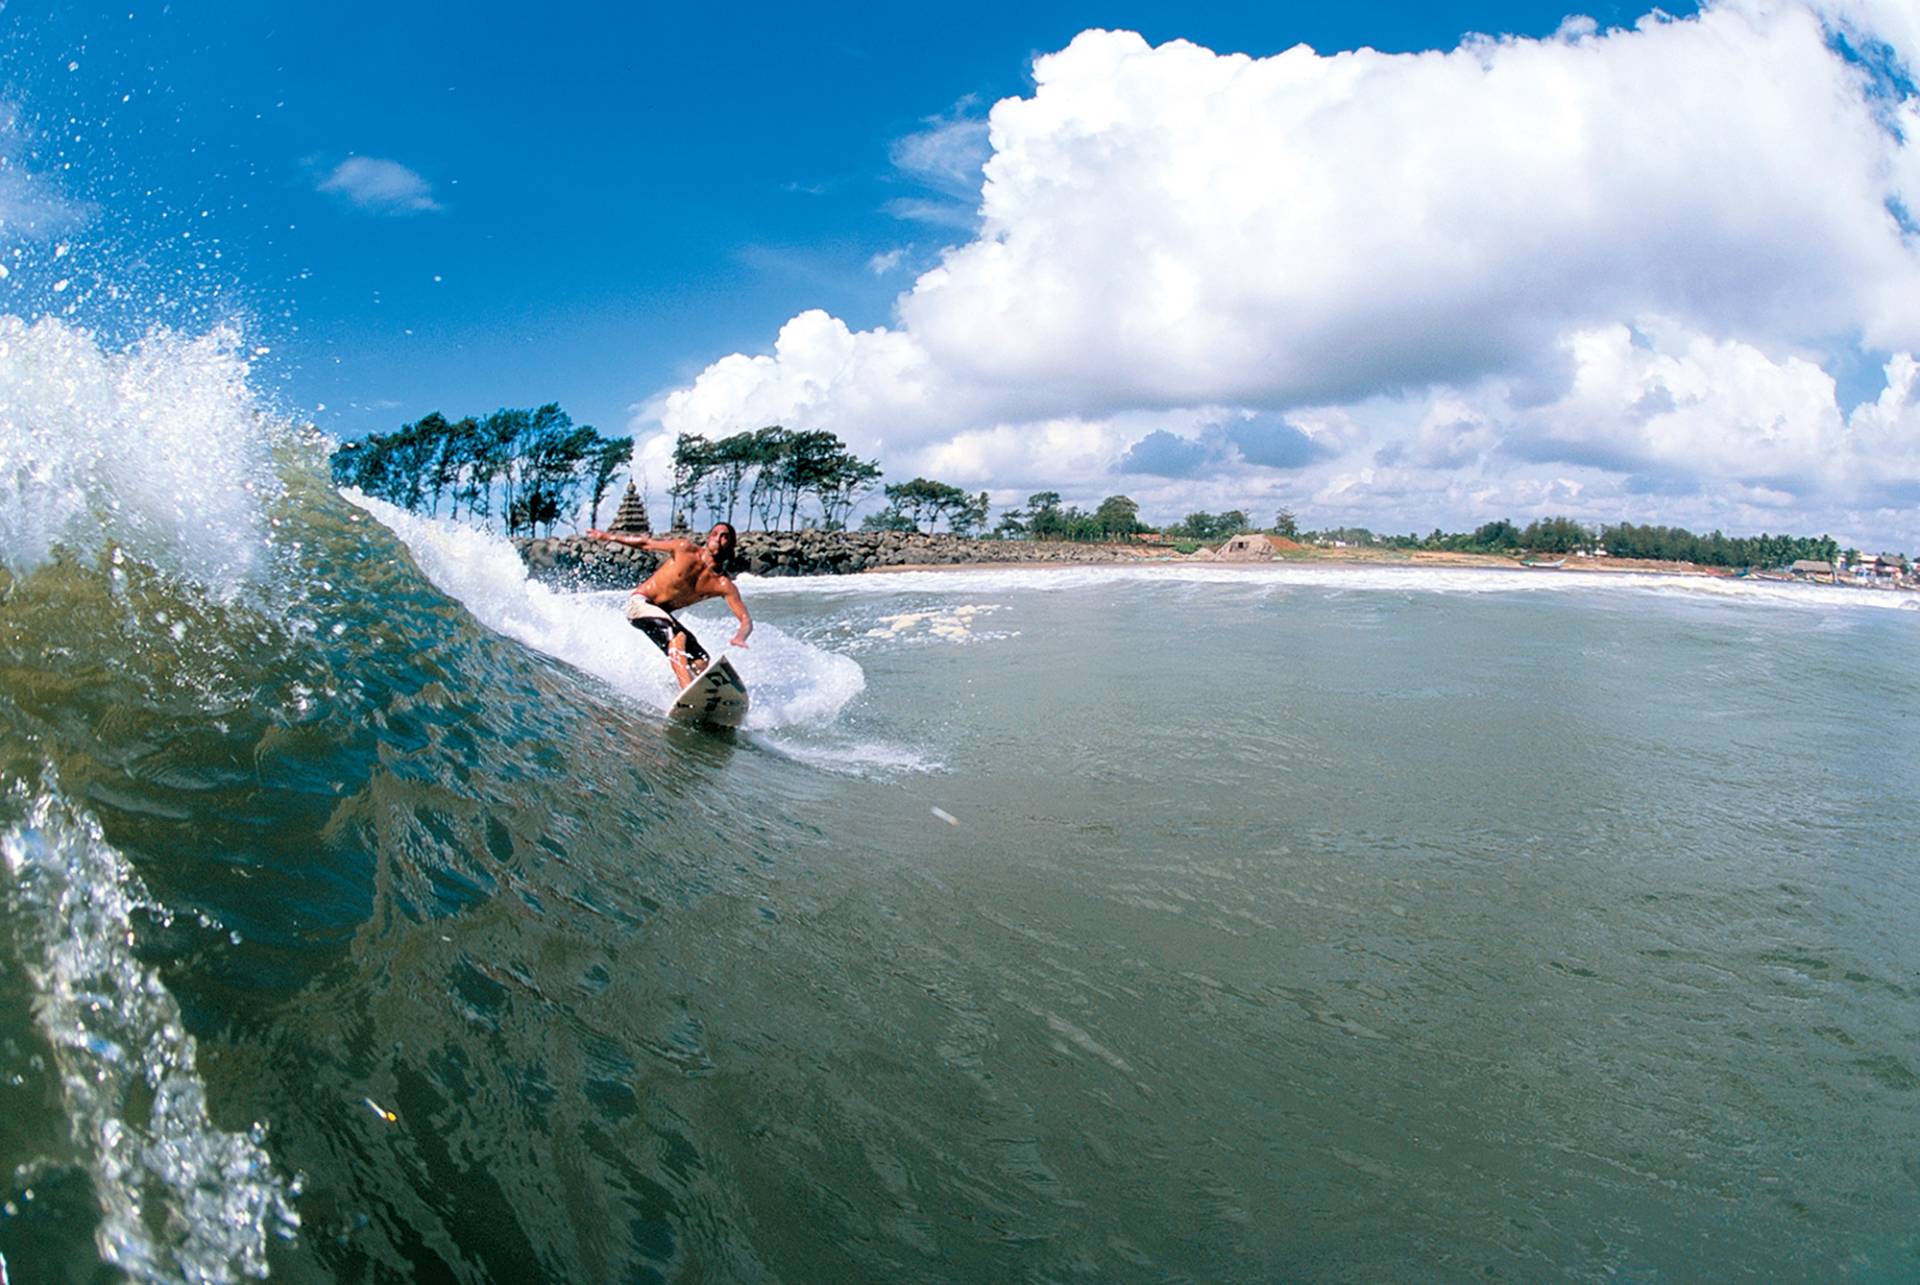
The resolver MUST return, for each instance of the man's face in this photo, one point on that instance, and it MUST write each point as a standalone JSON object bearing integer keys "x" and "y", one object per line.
{"x": 720, "y": 539}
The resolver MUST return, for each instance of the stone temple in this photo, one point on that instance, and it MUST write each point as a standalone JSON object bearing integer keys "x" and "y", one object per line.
{"x": 632, "y": 517}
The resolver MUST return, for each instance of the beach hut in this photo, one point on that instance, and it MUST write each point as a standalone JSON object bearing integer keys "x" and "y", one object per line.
{"x": 1812, "y": 569}
{"x": 1248, "y": 547}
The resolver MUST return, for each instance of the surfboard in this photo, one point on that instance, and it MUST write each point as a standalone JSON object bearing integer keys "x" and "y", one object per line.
{"x": 716, "y": 697}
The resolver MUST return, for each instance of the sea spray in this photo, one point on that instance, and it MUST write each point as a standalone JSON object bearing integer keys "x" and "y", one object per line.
{"x": 178, "y": 1197}
{"x": 160, "y": 450}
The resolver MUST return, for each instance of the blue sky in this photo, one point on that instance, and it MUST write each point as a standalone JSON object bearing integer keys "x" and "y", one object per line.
{"x": 461, "y": 207}
{"x": 621, "y": 193}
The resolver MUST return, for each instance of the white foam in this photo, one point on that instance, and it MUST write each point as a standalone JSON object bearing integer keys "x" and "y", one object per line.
{"x": 160, "y": 448}
{"x": 179, "y": 1198}
{"x": 1266, "y": 577}
{"x": 791, "y": 682}
{"x": 856, "y": 758}
{"x": 951, "y": 624}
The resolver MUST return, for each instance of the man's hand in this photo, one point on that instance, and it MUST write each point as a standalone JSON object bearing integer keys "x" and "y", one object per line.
{"x": 740, "y": 638}
{"x": 595, "y": 533}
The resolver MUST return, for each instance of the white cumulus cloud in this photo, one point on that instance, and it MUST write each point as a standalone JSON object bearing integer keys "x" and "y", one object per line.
{"x": 1631, "y": 254}
{"x": 380, "y": 186}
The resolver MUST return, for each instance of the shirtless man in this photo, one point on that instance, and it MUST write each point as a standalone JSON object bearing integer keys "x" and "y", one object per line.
{"x": 690, "y": 574}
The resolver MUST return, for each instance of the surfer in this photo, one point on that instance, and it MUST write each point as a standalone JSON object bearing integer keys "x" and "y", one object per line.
{"x": 691, "y": 573}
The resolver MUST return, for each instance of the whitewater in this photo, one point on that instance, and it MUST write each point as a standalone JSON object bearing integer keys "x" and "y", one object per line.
{"x": 363, "y": 916}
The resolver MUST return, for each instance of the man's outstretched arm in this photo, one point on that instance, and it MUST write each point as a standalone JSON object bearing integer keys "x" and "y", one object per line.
{"x": 647, "y": 542}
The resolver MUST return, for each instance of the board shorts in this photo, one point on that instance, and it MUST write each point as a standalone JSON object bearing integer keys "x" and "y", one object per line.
{"x": 658, "y": 623}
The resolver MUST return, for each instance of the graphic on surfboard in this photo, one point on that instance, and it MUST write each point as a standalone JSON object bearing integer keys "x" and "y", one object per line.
{"x": 717, "y": 697}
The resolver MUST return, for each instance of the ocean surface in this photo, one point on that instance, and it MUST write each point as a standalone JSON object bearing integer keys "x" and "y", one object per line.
{"x": 361, "y": 917}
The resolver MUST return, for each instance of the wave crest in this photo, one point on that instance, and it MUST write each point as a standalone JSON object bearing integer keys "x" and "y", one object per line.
{"x": 161, "y": 449}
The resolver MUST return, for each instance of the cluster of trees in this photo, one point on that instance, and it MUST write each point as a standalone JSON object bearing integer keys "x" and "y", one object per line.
{"x": 1716, "y": 550}
{"x": 1544, "y": 535}
{"x": 1205, "y": 527}
{"x": 532, "y": 464}
{"x": 909, "y": 504}
{"x": 1624, "y": 540}
{"x": 774, "y": 469}
{"x": 1043, "y": 517}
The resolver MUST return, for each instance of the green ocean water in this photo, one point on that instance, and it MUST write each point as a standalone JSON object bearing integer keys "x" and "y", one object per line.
{"x": 364, "y": 920}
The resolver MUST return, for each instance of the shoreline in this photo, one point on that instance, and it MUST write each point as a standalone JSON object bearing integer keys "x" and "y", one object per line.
{"x": 576, "y": 563}
{"x": 1419, "y": 559}
{"x": 1438, "y": 562}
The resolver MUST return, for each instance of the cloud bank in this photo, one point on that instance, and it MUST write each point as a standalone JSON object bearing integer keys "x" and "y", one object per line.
{"x": 1602, "y": 272}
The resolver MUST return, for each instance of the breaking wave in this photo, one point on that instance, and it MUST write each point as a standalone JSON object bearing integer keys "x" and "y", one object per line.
{"x": 792, "y": 683}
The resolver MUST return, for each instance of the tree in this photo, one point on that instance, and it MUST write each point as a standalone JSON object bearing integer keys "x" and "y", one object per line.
{"x": 763, "y": 497}
{"x": 1043, "y": 517}
{"x": 1117, "y": 516}
{"x": 612, "y": 455}
{"x": 455, "y": 462}
{"x": 810, "y": 462}
{"x": 968, "y": 513}
{"x": 1497, "y": 536}
{"x": 1285, "y": 525}
{"x": 1210, "y": 526}
{"x": 887, "y": 519}
{"x": 542, "y": 468}
{"x": 925, "y": 500}
{"x": 1555, "y": 535}
{"x": 848, "y": 482}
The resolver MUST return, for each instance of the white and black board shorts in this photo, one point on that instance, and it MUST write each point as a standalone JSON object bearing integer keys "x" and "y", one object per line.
{"x": 658, "y": 623}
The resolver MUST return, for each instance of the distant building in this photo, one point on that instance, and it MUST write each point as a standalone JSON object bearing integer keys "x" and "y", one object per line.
{"x": 1249, "y": 547}
{"x": 1812, "y": 569}
{"x": 632, "y": 516}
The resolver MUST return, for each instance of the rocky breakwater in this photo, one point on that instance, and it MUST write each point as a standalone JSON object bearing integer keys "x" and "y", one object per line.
{"x": 574, "y": 562}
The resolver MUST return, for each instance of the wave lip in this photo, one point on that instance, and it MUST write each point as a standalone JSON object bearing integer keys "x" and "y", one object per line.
{"x": 179, "y": 1198}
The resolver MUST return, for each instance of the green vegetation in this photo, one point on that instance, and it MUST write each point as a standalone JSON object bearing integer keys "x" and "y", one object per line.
{"x": 1044, "y": 518}
{"x": 923, "y": 500}
{"x": 1207, "y": 527}
{"x": 534, "y": 464}
{"x": 1559, "y": 535}
{"x": 1715, "y": 550}
{"x": 778, "y": 469}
